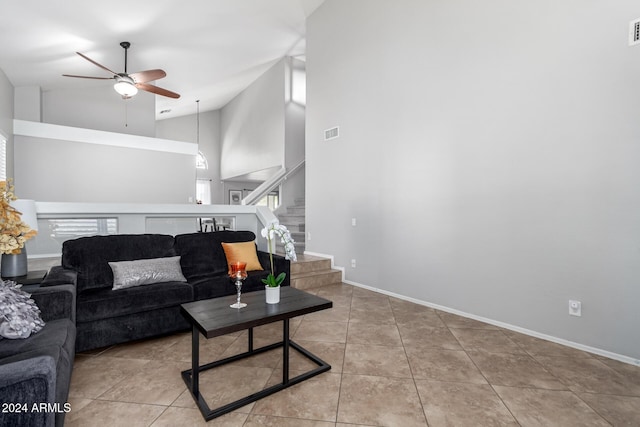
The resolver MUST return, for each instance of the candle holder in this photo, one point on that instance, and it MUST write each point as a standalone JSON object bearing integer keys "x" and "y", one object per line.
{"x": 238, "y": 272}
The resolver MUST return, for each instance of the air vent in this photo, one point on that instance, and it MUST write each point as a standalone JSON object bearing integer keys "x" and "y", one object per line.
{"x": 332, "y": 133}
{"x": 634, "y": 32}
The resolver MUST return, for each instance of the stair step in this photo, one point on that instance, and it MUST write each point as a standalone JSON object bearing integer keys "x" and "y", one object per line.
{"x": 296, "y": 210}
{"x": 307, "y": 264}
{"x": 315, "y": 279}
{"x": 298, "y": 242}
{"x": 312, "y": 272}
{"x": 291, "y": 218}
{"x": 295, "y": 228}
{"x": 297, "y": 236}
{"x": 294, "y": 220}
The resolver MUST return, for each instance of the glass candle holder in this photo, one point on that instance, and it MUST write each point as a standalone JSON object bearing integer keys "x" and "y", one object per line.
{"x": 238, "y": 272}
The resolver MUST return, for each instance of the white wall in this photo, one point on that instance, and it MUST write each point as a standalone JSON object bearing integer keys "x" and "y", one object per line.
{"x": 49, "y": 170}
{"x": 489, "y": 151}
{"x": 6, "y": 118}
{"x": 27, "y": 103}
{"x": 100, "y": 108}
{"x": 262, "y": 130}
{"x": 60, "y": 170}
{"x": 294, "y": 113}
{"x": 252, "y": 126}
{"x": 185, "y": 129}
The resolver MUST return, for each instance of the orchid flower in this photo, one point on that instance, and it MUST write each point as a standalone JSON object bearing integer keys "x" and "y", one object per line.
{"x": 273, "y": 229}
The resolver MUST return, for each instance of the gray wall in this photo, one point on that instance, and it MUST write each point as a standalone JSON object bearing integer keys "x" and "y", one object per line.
{"x": 489, "y": 152}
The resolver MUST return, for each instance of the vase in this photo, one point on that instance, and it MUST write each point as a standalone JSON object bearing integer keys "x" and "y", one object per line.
{"x": 14, "y": 265}
{"x": 272, "y": 294}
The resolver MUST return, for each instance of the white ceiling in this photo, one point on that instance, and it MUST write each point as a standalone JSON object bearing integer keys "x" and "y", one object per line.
{"x": 210, "y": 49}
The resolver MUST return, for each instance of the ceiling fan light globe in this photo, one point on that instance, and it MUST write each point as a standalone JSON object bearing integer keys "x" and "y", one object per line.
{"x": 126, "y": 89}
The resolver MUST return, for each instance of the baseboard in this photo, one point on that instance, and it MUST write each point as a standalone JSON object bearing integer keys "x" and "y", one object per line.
{"x": 567, "y": 343}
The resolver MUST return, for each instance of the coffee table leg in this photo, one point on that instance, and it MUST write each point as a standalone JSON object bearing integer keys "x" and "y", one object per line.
{"x": 285, "y": 351}
{"x": 250, "y": 346}
{"x": 195, "y": 360}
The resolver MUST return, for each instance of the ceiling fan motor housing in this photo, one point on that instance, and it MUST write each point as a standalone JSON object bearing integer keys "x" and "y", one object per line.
{"x": 125, "y": 85}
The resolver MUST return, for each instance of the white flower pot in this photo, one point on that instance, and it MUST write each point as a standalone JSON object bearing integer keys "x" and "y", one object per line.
{"x": 272, "y": 294}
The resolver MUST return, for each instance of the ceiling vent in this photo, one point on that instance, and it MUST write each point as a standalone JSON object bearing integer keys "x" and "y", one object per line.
{"x": 332, "y": 133}
{"x": 634, "y": 32}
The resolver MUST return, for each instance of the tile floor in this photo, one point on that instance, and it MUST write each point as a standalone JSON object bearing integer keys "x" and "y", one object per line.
{"x": 394, "y": 363}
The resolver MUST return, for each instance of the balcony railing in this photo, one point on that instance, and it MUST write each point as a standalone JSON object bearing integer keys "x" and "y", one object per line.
{"x": 269, "y": 185}
{"x": 58, "y": 222}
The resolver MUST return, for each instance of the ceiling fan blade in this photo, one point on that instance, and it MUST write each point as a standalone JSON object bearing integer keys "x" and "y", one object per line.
{"x": 147, "y": 76}
{"x": 157, "y": 90}
{"x": 88, "y": 77}
{"x": 95, "y": 63}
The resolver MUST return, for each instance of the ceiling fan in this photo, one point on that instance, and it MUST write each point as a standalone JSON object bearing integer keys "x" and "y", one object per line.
{"x": 126, "y": 84}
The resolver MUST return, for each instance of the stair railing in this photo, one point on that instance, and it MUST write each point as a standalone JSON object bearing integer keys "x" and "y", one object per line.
{"x": 270, "y": 184}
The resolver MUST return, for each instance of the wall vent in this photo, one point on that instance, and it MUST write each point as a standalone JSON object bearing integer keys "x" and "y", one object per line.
{"x": 634, "y": 32}
{"x": 332, "y": 133}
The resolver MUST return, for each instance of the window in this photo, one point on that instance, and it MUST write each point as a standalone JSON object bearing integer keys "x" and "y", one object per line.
{"x": 3, "y": 157}
{"x": 271, "y": 200}
{"x": 65, "y": 229}
{"x": 201, "y": 161}
{"x": 203, "y": 191}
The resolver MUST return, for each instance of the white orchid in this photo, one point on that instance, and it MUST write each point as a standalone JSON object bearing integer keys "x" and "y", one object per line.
{"x": 273, "y": 229}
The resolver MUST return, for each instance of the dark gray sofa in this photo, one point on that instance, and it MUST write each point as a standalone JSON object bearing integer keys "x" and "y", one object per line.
{"x": 37, "y": 370}
{"x": 105, "y": 316}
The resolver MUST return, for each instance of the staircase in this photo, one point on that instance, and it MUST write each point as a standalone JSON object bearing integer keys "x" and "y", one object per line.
{"x": 308, "y": 271}
{"x": 312, "y": 272}
{"x": 294, "y": 221}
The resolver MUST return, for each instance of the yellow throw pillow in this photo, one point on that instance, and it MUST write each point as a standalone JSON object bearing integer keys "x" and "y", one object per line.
{"x": 244, "y": 252}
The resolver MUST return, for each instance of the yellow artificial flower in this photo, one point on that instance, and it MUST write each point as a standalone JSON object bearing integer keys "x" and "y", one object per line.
{"x": 13, "y": 232}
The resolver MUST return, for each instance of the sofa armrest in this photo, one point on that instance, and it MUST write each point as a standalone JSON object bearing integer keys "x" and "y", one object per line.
{"x": 59, "y": 275}
{"x": 23, "y": 383}
{"x": 280, "y": 265}
{"x": 56, "y": 302}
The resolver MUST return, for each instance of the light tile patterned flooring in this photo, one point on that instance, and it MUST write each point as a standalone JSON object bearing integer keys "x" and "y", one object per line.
{"x": 394, "y": 363}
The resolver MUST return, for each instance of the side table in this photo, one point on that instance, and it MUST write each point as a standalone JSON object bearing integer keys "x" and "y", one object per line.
{"x": 29, "y": 281}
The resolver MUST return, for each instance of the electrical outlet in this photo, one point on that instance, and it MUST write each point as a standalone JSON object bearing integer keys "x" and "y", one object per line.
{"x": 353, "y": 222}
{"x": 308, "y": 235}
{"x": 575, "y": 308}
{"x": 353, "y": 263}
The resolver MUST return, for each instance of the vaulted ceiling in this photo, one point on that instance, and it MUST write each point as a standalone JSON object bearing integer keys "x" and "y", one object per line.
{"x": 210, "y": 49}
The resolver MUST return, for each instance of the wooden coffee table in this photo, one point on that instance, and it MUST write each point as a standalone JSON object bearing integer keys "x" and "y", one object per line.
{"x": 214, "y": 317}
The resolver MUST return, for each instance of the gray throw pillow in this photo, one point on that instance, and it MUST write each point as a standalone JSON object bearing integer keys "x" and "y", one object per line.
{"x": 127, "y": 274}
{"x": 19, "y": 315}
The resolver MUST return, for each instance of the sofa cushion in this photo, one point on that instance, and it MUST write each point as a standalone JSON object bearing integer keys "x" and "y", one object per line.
{"x": 127, "y": 274}
{"x": 202, "y": 254}
{"x": 19, "y": 315}
{"x": 246, "y": 252}
{"x": 57, "y": 333}
{"x": 98, "y": 304}
{"x": 89, "y": 256}
{"x": 116, "y": 330}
